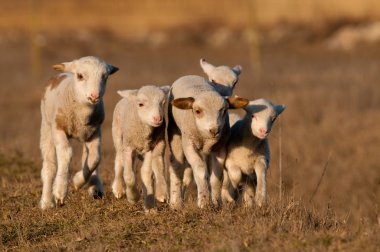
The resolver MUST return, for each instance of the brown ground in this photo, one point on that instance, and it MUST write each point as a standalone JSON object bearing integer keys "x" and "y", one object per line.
{"x": 332, "y": 120}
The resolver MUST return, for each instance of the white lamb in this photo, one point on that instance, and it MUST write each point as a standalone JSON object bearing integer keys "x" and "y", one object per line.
{"x": 222, "y": 78}
{"x": 72, "y": 107}
{"x": 198, "y": 129}
{"x": 248, "y": 152}
{"x": 138, "y": 128}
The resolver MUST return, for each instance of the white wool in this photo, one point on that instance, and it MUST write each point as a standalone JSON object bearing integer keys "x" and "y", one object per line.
{"x": 138, "y": 128}
{"x": 72, "y": 107}
{"x": 248, "y": 152}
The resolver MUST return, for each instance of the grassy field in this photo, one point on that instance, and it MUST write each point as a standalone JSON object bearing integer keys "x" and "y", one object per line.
{"x": 331, "y": 123}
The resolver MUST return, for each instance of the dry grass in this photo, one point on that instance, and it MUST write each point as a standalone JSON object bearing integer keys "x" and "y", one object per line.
{"x": 109, "y": 224}
{"x": 333, "y": 103}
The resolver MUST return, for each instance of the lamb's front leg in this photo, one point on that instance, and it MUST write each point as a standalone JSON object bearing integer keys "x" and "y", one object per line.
{"x": 227, "y": 190}
{"x": 147, "y": 181}
{"x": 216, "y": 177}
{"x": 64, "y": 154}
{"x": 159, "y": 172}
{"x": 129, "y": 175}
{"x": 199, "y": 166}
{"x": 49, "y": 166}
{"x": 261, "y": 166}
{"x": 90, "y": 160}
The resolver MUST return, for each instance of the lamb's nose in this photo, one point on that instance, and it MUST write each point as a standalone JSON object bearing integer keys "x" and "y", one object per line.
{"x": 94, "y": 97}
{"x": 214, "y": 131}
{"x": 157, "y": 119}
{"x": 262, "y": 131}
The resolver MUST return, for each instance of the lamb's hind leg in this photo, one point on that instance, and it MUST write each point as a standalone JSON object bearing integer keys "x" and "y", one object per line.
{"x": 49, "y": 167}
{"x": 90, "y": 161}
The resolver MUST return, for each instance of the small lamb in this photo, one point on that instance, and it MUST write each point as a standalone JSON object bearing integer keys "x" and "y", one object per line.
{"x": 72, "y": 107}
{"x": 198, "y": 129}
{"x": 222, "y": 78}
{"x": 138, "y": 128}
{"x": 248, "y": 152}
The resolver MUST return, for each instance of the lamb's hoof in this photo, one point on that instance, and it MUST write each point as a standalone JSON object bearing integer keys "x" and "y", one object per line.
{"x": 176, "y": 205}
{"x": 118, "y": 195}
{"x": 59, "y": 202}
{"x": 118, "y": 191}
{"x": 46, "y": 204}
{"x": 162, "y": 199}
{"x": 150, "y": 211}
{"x": 95, "y": 193}
{"x": 78, "y": 181}
{"x": 132, "y": 196}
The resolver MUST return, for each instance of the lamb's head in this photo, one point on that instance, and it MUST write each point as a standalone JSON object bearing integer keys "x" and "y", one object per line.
{"x": 150, "y": 102}
{"x": 222, "y": 78}
{"x": 261, "y": 114}
{"x": 89, "y": 76}
{"x": 209, "y": 111}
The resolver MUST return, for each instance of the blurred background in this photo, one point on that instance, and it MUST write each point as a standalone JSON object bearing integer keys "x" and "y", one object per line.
{"x": 321, "y": 58}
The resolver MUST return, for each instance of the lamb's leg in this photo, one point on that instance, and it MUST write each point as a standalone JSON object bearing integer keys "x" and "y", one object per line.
{"x": 187, "y": 179}
{"x": 176, "y": 174}
{"x": 176, "y": 168}
{"x": 235, "y": 176}
{"x": 158, "y": 167}
{"x": 49, "y": 166}
{"x": 118, "y": 187}
{"x": 147, "y": 181}
{"x": 261, "y": 166}
{"x": 227, "y": 190}
{"x": 249, "y": 192}
{"x": 90, "y": 161}
{"x": 129, "y": 175}
{"x": 64, "y": 154}
{"x": 199, "y": 166}
{"x": 216, "y": 178}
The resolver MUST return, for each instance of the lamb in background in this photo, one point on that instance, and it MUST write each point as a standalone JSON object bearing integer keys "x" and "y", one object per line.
{"x": 138, "y": 128}
{"x": 248, "y": 152}
{"x": 198, "y": 128}
{"x": 222, "y": 78}
{"x": 72, "y": 107}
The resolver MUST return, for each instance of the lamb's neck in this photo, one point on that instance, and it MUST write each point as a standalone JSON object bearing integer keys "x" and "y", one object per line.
{"x": 85, "y": 109}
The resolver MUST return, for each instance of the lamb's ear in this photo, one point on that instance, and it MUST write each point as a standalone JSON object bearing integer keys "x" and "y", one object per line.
{"x": 63, "y": 67}
{"x": 279, "y": 109}
{"x": 128, "y": 93}
{"x": 236, "y": 102}
{"x": 183, "y": 103}
{"x": 237, "y": 69}
{"x": 207, "y": 67}
{"x": 112, "y": 69}
{"x": 255, "y": 108}
{"x": 166, "y": 89}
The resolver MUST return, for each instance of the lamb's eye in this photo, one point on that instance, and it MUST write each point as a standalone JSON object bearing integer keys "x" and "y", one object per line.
{"x": 253, "y": 116}
{"x": 141, "y": 104}
{"x": 198, "y": 111}
{"x": 80, "y": 76}
{"x": 273, "y": 119}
